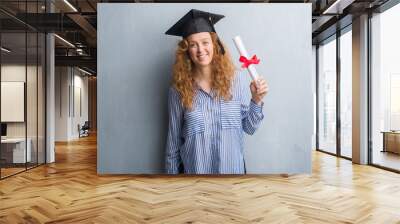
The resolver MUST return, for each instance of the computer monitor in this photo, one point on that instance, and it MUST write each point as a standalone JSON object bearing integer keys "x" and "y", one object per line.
{"x": 3, "y": 129}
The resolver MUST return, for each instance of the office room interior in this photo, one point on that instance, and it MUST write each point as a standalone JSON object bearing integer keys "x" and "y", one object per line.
{"x": 84, "y": 123}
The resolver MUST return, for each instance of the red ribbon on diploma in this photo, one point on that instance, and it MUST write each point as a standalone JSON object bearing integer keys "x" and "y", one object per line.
{"x": 246, "y": 62}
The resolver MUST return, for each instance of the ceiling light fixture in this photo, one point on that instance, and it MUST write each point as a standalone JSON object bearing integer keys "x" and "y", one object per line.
{"x": 86, "y": 72}
{"x": 65, "y": 41}
{"x": 5, "y": 50}
{"x": 79, "y": 51}
{"x": 338, "y": 6}
{"x": 70, "y": 5}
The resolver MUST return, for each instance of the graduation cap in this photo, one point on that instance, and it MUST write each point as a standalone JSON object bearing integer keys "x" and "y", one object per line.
{"x": 196, "y": 21}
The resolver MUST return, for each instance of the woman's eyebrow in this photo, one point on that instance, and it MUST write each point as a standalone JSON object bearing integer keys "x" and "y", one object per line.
{"x": 199, "y": 40}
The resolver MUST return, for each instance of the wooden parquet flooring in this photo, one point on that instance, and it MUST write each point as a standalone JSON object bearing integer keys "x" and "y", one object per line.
{"x": 70, "y": 191}
{"x": 10, "y": 171}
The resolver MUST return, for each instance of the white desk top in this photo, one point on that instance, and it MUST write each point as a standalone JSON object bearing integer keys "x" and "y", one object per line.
{"x": 13, "y": 140}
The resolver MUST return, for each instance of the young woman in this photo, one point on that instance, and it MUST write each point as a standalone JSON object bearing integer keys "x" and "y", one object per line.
{"x": 207, "y": 109}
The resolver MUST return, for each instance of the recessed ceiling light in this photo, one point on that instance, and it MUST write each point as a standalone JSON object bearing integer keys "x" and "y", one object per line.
{"x": 64, "y": 40}
{"x": 337, "y": 7}
{"x": 84, "y": 71}
{"x": 70, "y": 5}
{"x": 5, "y": 50}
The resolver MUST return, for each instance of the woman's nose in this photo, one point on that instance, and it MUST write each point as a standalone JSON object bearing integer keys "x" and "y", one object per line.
{"x": 200, "y": 49}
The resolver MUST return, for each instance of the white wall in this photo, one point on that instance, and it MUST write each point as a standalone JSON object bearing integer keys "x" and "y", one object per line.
{"x": 12, "y": 73}
{"x": 61, "y": 103}
{"x": 70, "y": 83}
{"x": 79, "y": 117}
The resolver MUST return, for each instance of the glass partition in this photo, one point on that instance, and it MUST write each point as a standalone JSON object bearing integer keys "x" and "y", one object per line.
{"x": 22, "y": 78}
{"x": 13, "y": 109}
{"x": 32, "y": 95}
{"x": 41, "y": 109}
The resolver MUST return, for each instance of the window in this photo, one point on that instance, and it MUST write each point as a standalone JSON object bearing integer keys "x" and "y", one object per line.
{"x": 346, "y": 75}
{"x": 385, "y": 88}
{"x": 327, "y": 96}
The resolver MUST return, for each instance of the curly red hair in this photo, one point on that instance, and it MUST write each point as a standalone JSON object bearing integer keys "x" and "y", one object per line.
{"x": 183, "y": 81}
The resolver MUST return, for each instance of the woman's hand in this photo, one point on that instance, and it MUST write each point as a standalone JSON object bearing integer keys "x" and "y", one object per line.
{"x": 258, "y": 90}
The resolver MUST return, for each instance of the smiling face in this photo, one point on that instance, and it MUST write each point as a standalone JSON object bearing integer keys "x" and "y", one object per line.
{"x": 200, "y": 48}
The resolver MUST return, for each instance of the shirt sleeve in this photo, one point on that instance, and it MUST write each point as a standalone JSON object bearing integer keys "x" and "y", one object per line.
{"x": 174, "y": 139}
{"x": 252, "y": 114}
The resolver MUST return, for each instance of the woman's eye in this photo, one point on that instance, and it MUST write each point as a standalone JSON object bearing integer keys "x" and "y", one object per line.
{"x": 205, "y": 43}
{"x": 192, "y": 45}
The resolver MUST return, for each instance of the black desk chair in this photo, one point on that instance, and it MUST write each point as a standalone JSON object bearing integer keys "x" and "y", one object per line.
{"x": 84, "y": 130}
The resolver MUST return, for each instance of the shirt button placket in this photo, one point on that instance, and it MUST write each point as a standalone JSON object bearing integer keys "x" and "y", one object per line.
{"x": 208, "y": 117}
{"x": 214, "y": 118}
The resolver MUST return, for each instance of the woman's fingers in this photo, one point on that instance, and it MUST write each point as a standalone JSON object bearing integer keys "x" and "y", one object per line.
{"x": 262, "y": 85}
{"x": 261, "y": 81}
{"x": 259, "y": 89}
{"x": 262, "y": 92}
{"x": 262, "y": 89}
{"x": 253, "y": 87}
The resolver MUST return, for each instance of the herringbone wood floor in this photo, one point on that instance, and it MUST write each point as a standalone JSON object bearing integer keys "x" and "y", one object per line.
{"x": 70, "y": 191}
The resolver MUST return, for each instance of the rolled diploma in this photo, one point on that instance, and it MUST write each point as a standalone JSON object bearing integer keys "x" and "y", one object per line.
{"x": 242, "y": 51}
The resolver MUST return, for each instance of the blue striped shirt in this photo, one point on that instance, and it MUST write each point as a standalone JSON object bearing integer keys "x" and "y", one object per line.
{"x": 209, "y": 138}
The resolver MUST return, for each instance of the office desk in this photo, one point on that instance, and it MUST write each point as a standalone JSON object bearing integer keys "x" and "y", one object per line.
{"x": 391, "y": 141}
{"x": 13, "y": 150}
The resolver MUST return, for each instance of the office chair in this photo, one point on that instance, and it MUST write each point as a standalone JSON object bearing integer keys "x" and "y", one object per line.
{"x": 84, "y": 130}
